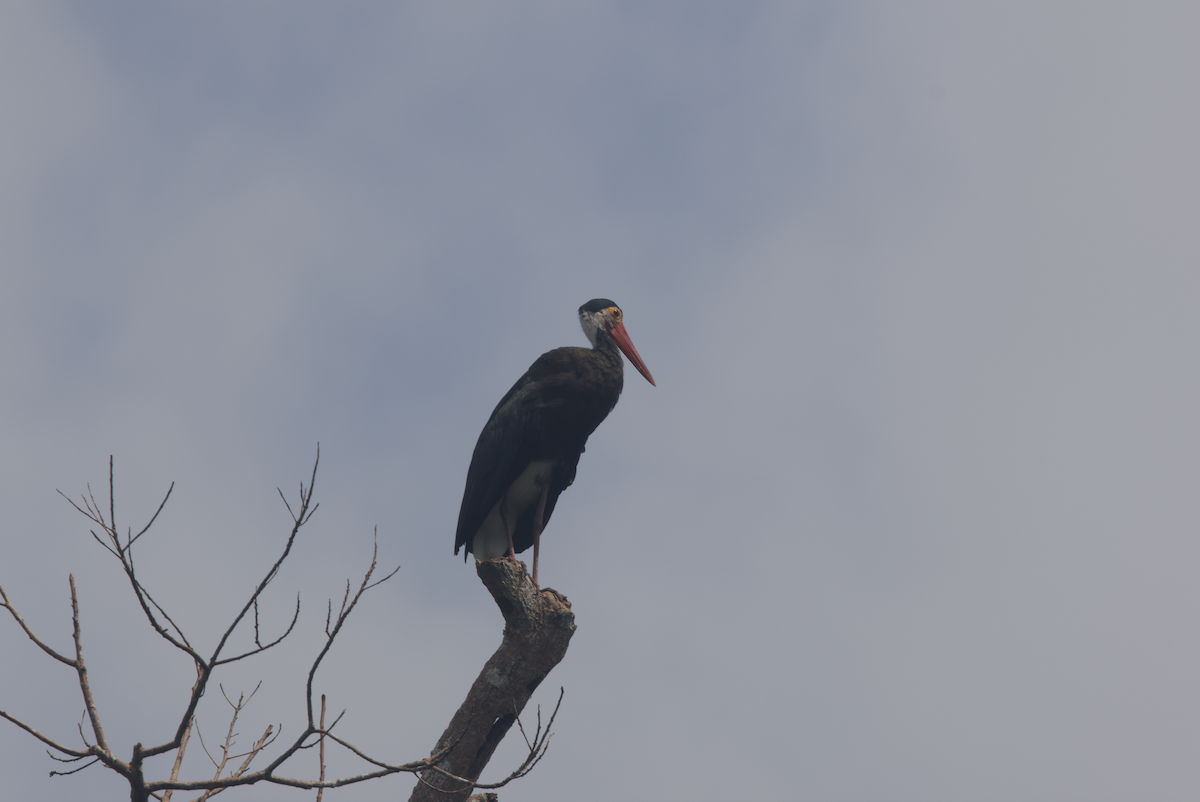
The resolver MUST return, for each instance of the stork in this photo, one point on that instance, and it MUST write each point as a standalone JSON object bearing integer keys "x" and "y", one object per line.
{"x": 528, "y": 450}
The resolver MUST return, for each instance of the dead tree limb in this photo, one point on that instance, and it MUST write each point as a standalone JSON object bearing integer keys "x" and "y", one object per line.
{"x": 538, "y": 625}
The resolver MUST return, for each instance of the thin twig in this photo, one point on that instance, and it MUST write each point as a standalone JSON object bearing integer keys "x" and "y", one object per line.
{"x": 259, "y": 647}
{"x": 58, "y": 759}
{"x": 178, "y": 758}
{"x": 343, "y": 614}
{"x": 536, "y": 751}
{"x": 182, "y": 638}
{"x": 79, "y": 726}
{"x": 153, "y": 518}
{"x": 75, "y": 771}
{"x": 81, "y": 669}
{"x": 225, "y": 747}
{"x": 395, "y": 571}
{"x": 7, "y": 605}
{"x": 285, "y": 503}
{"x": 47, "y": 741}
{"x": 262, "y": 742}
{"x": 203, "y": 745}
{"x": 112, "y": 503}
{"x": 321, "y": 791}
{"x": 265, "y": 740}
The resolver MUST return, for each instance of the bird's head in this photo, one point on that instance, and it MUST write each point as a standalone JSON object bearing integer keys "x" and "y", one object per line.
{"x": 601, "y": 318}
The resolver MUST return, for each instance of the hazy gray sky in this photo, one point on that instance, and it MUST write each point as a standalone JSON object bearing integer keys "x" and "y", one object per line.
{"x": 911, "y": 514}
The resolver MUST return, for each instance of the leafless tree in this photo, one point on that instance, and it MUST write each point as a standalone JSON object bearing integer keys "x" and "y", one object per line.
{"x": 538, "y": 627}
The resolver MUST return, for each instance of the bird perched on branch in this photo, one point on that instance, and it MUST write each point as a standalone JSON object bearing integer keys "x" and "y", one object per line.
{"x": 527, "y": 452}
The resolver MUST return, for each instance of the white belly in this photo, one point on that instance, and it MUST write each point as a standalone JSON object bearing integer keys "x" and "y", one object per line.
{"x": 490, "y": 541}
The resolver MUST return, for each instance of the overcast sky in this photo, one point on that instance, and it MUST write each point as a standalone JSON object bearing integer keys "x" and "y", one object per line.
{"x": 911, "y": 515}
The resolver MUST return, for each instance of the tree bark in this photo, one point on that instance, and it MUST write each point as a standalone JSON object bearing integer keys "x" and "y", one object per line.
{"x": 538, "y": 625}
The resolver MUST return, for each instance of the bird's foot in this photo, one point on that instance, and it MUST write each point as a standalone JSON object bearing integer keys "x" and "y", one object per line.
{"x": 557, "y": 595}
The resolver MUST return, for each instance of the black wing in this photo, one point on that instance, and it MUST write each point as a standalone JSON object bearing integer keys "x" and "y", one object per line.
{"x": 548, "y": 414}
{"x": 506, "y": 446}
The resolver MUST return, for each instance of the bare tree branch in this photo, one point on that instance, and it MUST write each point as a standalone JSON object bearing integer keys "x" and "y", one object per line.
{"x": 204, "y": 668}
{"x": 79, "y": 726}
{"x": 204, "y": 746}
{"x": 153, "y": 517}
{"x": 228, "y": 745}
{"x": 343, "y": 614}
{"x": 47, "y": 741}
{"x": 321, "y": 791}
{"x": 183, "y": 643}
{"x": 81, "y": 669}
{"x": 91, "y": 510}
{"x": 440, "y": 768}
{"x": 166, "y": 797}
{"x": 537, "y": 749}
{"x": 112, "y": 499}
{"x": 298, "y": 521}
{"x": 258, "y": 645}
{"x": 262, "y": 742}
{"x": 7, "y": 605}
{"x": 75, "y": 771}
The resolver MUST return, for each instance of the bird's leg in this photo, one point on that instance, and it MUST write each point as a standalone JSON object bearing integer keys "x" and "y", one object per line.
{"x": 512, "y": 550}
{"x": 537, "y": 530}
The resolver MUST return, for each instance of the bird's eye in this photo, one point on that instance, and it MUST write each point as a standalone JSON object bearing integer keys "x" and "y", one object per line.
{"x": 616, "y": 313}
